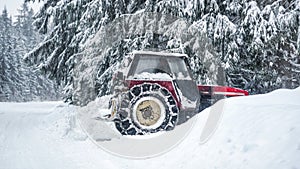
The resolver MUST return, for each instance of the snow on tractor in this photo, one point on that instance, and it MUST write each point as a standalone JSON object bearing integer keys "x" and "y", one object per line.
{"x": 154, "y": 91}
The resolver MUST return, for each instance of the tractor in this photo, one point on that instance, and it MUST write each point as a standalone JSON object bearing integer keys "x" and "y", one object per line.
{"x": 155, "y": 91}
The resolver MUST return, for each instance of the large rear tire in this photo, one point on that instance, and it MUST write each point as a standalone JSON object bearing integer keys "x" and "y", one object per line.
{"x": 146, "y": 108}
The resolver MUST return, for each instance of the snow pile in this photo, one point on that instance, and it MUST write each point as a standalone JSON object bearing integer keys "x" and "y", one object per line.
{"x": 91, "y": 122}
{"x": 260, "y": 131}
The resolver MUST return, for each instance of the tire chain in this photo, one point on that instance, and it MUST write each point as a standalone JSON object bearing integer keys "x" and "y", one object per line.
{"x": 126, "y": 125}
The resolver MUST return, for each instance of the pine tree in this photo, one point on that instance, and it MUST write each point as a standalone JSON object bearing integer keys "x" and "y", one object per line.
{"x": 9, "y": 73}
{"x": 18, "y": 82}
{"x": 256, "y": 42}
{"x": 36, "y": 86}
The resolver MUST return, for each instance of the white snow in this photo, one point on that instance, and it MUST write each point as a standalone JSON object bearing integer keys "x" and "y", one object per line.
{"x": 159, "y": 53}
{"x": 151, "y": 76}
{"x": 260, "y": 131}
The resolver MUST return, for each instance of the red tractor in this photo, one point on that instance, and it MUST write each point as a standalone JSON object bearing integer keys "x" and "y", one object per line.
{"x": 154, "y": 91}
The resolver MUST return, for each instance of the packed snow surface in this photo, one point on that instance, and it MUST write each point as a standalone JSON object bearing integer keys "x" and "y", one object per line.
{"x": 261, "y": 131}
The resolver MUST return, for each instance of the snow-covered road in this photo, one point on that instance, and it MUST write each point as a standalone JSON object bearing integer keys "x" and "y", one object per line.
{"x": 35, "y": 136}
{"x": 258, "y": 132}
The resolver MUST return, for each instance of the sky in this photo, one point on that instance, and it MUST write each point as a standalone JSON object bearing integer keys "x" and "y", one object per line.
{"x": 12, "y": 6}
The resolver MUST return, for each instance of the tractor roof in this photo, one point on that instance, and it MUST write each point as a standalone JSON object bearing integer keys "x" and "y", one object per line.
{"x": 159, "y": 54}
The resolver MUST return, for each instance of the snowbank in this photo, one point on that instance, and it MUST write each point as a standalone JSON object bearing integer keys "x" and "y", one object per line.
{"x": 260, "y": 131}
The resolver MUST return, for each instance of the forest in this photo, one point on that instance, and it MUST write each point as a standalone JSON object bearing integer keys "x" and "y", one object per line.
{"x": 74, "y": 46}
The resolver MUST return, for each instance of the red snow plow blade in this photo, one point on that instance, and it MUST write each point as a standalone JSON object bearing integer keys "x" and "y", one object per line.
{"x": 221, "y": 90}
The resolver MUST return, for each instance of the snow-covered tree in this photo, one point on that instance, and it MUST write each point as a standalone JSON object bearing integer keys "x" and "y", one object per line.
{"x": 267, "y": 48}
{"x": 19, "y": 82}
{"x": 256, "y": 42}
{"x": 9, "y": 73}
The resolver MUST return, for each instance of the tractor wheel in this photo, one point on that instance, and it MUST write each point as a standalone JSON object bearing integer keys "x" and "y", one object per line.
{"x": 146, "y": 108}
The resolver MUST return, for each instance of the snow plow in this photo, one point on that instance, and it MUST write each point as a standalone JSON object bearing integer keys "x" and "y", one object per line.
{"x": 154, "y": 92}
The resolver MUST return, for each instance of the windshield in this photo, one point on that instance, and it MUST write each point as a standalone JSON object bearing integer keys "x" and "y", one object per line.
{"x": 173, "y": 66}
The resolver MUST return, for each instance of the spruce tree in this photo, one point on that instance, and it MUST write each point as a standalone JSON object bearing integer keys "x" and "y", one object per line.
{"x": 256, "y": 42}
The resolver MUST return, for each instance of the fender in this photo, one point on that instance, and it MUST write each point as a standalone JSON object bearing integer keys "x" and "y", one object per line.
{"x": 221, "y": 90}
{"x": 210, "y": 94}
